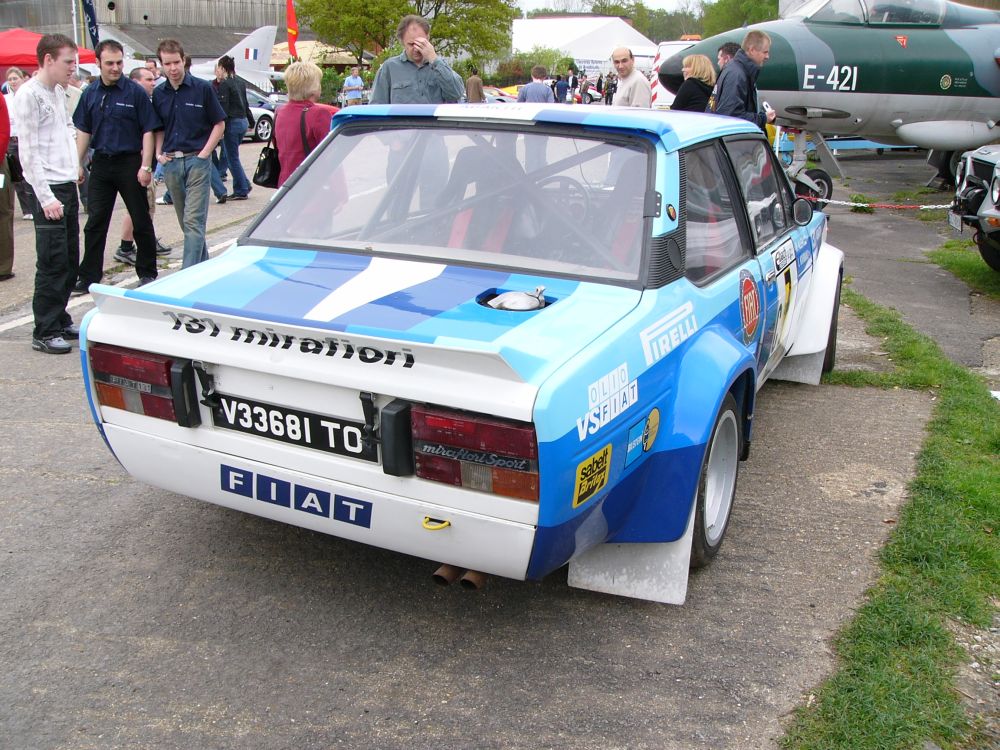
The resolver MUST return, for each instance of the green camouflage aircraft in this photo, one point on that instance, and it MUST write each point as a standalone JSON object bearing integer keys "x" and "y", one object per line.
{"x": 915, "y": 72}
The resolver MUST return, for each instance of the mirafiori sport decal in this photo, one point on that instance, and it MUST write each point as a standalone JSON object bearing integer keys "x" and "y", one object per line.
{"x": 330, "y": 346}
{"x": 749, "y": 306}
{"x": 592, "y": 475}
{"x": 607, "y": 397}
{"x": 300, "y": 497}
{"x": 783, "y": 256}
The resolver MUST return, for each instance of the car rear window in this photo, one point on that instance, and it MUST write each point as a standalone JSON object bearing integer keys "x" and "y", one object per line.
{"x": 542, "y": 201}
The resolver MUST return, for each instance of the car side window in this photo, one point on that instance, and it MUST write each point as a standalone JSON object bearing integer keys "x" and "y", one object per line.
{"x": 713, "y": 235}
{"x": 764, "y": 188}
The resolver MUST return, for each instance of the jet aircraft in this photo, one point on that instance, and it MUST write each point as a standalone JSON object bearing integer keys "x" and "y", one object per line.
{"x": 252, "y": 55}
{"x": 914, "y": 72}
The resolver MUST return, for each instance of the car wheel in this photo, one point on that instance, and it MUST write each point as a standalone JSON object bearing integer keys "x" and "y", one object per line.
{"x": 830, "y": 358}
{"x": 989, "y": 248}
{"x": 263, "y": 129}
{"x": 717, "y": 485}
{"x": 825, "y": 183}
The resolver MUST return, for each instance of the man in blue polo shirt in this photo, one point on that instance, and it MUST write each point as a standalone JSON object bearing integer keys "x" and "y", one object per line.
{"x": 193, "y": 122}
{"x": 115, "y": 118}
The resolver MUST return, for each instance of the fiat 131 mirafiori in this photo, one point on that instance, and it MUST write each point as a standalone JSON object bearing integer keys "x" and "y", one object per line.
{"x": 501, "y": 337}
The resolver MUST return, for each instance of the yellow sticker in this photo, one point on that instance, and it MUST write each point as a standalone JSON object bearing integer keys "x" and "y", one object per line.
{"x": 650, "y": 430}
{"x": 592, "y": 475}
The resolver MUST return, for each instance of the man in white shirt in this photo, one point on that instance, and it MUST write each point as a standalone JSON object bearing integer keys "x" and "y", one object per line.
{"x": 633, "y": 88}
{"x": 52, "y": 167}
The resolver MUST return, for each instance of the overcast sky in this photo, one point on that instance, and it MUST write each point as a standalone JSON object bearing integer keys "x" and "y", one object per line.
{"x": 655, "y": 4}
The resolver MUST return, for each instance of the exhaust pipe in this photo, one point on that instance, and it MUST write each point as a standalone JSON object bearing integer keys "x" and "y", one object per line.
{"x": 473, "y": 580}
{"x": 447, "y": 574}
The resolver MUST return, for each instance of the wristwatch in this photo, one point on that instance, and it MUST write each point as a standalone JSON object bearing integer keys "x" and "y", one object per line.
{"x": 147, "y": 169}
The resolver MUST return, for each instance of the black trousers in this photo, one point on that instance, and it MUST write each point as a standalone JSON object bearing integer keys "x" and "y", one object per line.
{"x": 111, "y": 176}
{"x": 57, "y": 247}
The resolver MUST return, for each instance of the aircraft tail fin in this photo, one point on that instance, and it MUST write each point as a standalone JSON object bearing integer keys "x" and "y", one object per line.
{"x": 253, "y": 52}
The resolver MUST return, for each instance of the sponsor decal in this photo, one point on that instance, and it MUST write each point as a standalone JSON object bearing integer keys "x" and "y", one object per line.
{"x": 783, "y": 257}
{"x": 607, "y": 397}
{"x": 749, "y": 306}
{"x": 331, "y": 346}
{"x": 669, "y": 332}
{"x": 641, "y": 436}
{"x": 945, "y": 82}
{"x": 671, "y": 212}
{"x": 468, "y": 455}
{"x": 902, "y": 40}
{"x": 592, "y": 475}
{"x": 297, "y": 496}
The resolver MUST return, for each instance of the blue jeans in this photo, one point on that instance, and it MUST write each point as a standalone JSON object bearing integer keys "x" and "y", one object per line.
{"x": 236, "y": 128}
{"x": 188, "y": 178}
{"x": 218, "y": 186}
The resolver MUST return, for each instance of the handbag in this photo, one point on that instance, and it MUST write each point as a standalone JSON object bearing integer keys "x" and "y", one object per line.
{"x": 268, "y": 167}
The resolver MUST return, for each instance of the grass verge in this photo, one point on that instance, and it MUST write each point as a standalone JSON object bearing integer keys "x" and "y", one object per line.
{"x": 896, "y": 660}
{"x": 962, "y": 259}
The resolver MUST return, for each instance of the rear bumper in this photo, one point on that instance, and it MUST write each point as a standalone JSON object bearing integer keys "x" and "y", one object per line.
{"x": 471, "y": 540}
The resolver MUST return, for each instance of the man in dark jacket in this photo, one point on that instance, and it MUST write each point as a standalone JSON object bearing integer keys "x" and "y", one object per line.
{"x": 735, "y": 93}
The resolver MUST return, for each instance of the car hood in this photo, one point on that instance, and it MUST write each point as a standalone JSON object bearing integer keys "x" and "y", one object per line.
{"x": 431, "y": 309}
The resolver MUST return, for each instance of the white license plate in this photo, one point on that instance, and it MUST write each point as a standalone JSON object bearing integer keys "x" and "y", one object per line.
{"x": 320, "y": 432}
{"x": 955, "y": 220}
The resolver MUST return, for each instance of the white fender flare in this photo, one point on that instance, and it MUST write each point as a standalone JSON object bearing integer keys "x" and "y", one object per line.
{"x": 804, "y": 361}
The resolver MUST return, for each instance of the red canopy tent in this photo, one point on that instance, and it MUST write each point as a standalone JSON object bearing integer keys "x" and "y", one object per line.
{"x": 17, "y": 47}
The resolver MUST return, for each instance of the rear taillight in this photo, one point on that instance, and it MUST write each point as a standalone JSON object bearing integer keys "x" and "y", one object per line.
{"x": 476, "y": 452}
{"x": 144, "y": 383}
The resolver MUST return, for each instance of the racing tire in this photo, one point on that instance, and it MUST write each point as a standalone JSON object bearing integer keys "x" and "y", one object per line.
{"x": 990, "y": 250}
{"x": 830, "y": 357}
{"x": 263, "y": 128}
{"x": 717, "y": 484}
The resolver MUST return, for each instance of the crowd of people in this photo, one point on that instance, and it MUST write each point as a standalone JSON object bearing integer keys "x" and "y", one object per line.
{"x": 120, "y": 135}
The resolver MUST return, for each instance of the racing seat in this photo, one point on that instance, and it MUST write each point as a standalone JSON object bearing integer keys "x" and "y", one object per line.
{"x": 486, "y": 212}
{"x": 623, "y": 231}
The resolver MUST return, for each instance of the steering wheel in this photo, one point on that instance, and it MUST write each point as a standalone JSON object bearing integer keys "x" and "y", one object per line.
{"x": 571, "y": 197}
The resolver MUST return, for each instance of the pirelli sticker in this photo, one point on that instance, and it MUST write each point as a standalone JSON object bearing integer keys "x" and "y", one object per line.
{"x": 592, "y": 475}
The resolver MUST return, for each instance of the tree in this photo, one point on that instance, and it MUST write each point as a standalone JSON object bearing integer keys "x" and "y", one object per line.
{"x": 354, "y": 25}
{"x": 479, "y": 28}
{"x": 724, "y": 15}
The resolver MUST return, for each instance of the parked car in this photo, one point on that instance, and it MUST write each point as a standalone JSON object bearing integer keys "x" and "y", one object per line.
{"x": 504, "y": 340}
{"x": 494, "y": 94}
{"x": 977, "y": 200}
{"x": 263, "y": 114}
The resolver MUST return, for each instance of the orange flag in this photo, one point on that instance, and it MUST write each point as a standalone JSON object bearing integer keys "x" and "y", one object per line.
{"x": 293, "y": 29}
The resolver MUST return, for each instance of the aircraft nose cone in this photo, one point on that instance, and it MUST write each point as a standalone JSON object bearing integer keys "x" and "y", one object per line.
{"x": 671, "y": 76}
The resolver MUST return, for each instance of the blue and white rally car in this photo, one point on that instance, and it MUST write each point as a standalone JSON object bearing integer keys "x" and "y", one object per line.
{"x": 502, "y": 337}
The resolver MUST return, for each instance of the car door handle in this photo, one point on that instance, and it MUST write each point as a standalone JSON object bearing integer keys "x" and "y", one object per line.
{"x": 771, "y": 275}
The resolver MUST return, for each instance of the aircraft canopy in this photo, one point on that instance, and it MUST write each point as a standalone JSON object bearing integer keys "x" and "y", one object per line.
{"x": 876, "y": 12}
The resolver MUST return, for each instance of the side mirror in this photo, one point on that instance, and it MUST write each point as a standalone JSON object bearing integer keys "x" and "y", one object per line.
{"x": 802, "y": 211}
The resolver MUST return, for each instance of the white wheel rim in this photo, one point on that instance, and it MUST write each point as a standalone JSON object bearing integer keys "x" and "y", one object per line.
{"x": 720, "y": 477}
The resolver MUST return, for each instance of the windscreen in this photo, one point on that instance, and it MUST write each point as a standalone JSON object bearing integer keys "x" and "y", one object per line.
{"x": 539, "y": 202}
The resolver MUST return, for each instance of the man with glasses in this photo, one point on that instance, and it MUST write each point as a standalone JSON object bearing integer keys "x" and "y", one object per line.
{"x": 633, "y": 88}
{"x": 116, "y": 119}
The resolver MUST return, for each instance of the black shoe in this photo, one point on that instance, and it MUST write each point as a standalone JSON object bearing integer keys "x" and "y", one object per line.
{"x": 125, "y": 256}
{"x": 143, "y": 280}
{"x": 221, "y": 199}
{"x": 81, "y": 287}
{"x": 51, "y": 345}
{"x": 235, "y": 197}
{"x": 162, "y": 249}
{"x": 72, "y": 332}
